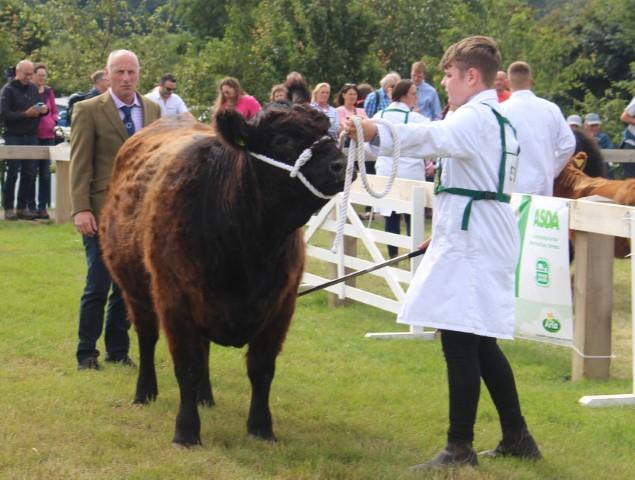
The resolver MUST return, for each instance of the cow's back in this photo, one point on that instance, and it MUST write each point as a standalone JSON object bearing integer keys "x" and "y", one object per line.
{"x": 122, "y": 222}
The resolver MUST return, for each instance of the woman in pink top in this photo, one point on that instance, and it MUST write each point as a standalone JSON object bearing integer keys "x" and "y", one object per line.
{"x": 46, "y": 137}
{"x": 346, "y": 100}
{"x": 231, "y": 95}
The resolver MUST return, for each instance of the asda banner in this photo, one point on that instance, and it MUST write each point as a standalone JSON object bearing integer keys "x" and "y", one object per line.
{"x": 543, "y": 285}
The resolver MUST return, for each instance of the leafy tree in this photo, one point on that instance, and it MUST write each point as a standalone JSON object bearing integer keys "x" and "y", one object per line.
{"x": 22, "y": 30}
{"x": 87, "y": 30}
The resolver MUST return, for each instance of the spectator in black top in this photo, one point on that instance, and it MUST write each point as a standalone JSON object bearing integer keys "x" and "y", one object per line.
{"x": 20, "y": 111}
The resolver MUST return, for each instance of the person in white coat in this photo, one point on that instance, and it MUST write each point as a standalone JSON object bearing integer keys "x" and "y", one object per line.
{"x": 465, "y": 284}
{"x": 546, "y": 141}
{"x": 404, "y": 96}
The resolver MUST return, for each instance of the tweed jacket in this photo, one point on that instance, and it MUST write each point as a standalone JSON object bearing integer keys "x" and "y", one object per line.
{"x": 96, "y": 136}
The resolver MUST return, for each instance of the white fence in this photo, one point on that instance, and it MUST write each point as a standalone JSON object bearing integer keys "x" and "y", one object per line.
{"x": 595, "y": 223}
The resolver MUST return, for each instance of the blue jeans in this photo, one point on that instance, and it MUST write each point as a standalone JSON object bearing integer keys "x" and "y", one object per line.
{"x": 25, "y": 169}
{"x": 392, "y": 224}
{"x": 91, "y": 309}
{"x": 43, "y": 174}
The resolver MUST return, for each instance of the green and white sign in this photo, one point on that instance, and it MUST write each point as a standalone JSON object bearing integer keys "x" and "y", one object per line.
{"x": 543, "y": 287}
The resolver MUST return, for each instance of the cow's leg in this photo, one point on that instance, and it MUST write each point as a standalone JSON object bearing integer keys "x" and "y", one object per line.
{"x": 141, "y": 314}
{"x": 205, "y": 396}
{"x": 261, "y": 366}
{"x": 188, "y": 357}
{"x": 147, "y": 389}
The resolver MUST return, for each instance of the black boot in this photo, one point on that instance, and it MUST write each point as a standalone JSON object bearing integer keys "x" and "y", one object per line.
{"x": 453, "y": 455}
{"x": 515, "y": 444}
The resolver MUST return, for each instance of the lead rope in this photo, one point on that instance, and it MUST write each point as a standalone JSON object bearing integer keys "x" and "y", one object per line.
{"x": 356, "y": 153}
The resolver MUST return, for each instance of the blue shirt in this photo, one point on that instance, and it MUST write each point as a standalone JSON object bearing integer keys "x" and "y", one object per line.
{"x": 603, "y": 140}
{"x": 428, "y": 101}
{"x": 371, "y": 107}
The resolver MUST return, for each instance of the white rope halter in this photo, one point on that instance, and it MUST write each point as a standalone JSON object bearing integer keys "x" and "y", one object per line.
{"x": 294, "y": 171}
{"x": 355, "y": 152}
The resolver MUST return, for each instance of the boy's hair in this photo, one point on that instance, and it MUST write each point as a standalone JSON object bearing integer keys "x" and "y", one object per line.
{"x": 478, "y": 52}
{"x": 519, "y": 74}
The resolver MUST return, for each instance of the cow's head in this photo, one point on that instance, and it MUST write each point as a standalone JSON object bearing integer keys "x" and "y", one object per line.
{"x": 283, "y": 133}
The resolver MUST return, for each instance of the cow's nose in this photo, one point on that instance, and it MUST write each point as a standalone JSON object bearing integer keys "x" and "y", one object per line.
{"x": 338, "y": 167}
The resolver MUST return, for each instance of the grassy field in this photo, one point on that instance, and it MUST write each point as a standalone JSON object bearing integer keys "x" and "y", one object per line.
{"x": 344, "y": 407}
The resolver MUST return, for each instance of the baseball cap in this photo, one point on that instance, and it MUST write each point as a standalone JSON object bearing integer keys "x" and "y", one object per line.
{"x": 592, "y": 119}
{"x": 574, "y": 120}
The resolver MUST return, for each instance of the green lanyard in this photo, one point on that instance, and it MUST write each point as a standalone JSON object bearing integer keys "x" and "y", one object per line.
{"x": 406, "y": 112}
{"x": 478, "y": 194}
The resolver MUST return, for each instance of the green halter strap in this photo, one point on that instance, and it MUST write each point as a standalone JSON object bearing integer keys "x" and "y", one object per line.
{"x": 478, "y": 194}
{"x": 405, "y": 112}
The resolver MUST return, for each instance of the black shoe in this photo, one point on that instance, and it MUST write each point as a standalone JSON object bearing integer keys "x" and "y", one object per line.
{"x": 453, "y": 455}
{"x": 9, "y": 214}
{"x": 125, "y": 361}
{"x": 520, "y": 445}
{"x": 42, "y": 214}
{"x": 88, "y": 363}
{"x": 26, "y": 214}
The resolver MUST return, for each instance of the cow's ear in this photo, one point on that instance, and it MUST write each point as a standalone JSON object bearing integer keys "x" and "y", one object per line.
{"x": 232, "y": 128}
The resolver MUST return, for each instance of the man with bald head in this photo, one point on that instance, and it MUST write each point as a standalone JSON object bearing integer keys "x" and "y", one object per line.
{"x": 21, "y": 117}
{"x": 545, "y": 139}
{"x": 100, "y": 126}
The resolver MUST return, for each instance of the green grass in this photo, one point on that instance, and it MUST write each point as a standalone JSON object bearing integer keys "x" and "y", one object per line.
{"x": 344, "y": 407}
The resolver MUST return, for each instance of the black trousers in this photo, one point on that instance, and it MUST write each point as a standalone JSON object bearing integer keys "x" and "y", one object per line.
{"x": 469, "y": 358}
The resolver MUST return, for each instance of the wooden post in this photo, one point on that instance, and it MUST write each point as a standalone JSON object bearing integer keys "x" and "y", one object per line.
{"x": 593, "y": 298}
{"x": 60, "y": 154}
{"x": 63, "y": 194}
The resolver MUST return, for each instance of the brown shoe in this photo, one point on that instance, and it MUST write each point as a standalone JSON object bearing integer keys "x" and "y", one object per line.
{"x": 520, "y": 444}
{"x": 453, "y": 455}
{"x": 42, "y": 214}
{"x": 9, "y": 214}
{"x": 26, "y": 214}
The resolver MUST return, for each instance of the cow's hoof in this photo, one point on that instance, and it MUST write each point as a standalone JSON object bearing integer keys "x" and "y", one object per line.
{"x": 182, "y": 442}
{"x": 206, "y": 400}
{"x": 260, "y": 435}
{"x": 144, "y": 399}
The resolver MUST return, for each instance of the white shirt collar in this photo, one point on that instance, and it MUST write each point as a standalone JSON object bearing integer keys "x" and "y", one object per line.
{"x": 120, "y": 103}
{"x": 522, "y": 93}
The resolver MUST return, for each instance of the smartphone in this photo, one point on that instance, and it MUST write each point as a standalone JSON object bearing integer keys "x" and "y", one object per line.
{"x": 39, "y": 106}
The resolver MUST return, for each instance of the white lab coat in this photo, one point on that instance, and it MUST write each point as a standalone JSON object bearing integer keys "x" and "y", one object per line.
{"x": 412, "y": 168}
{"x": 465, "y": 282}
{"x": 546, "y": 141}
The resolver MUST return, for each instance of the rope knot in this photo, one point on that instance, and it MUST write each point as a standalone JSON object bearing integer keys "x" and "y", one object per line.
{"x": 304, "y": 157}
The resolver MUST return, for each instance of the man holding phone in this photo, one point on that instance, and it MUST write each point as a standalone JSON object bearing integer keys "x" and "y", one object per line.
{"x": 21, "y": 117}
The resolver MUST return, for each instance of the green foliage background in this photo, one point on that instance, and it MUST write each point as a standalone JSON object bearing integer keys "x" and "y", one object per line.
{"x": 582, "y": 51}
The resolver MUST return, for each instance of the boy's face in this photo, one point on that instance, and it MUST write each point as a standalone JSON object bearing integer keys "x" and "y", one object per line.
{"x": 460, "y": 85}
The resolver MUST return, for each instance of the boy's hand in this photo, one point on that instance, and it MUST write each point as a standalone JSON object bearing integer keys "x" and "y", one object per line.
{"x": 369, "y": 129}
{"x": 424, "y": 246}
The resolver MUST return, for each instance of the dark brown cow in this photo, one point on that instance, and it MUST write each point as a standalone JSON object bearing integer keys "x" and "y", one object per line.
{"x": 206, "y": 241}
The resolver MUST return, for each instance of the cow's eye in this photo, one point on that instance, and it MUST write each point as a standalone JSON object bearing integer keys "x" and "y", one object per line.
{"x": 281, "y": 141}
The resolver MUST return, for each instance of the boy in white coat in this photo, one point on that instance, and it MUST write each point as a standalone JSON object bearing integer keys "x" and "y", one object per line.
{"x": 465, "y": 283}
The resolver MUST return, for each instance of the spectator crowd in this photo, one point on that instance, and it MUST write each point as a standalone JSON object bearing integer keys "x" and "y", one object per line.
{"x": 493, "y": 124}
